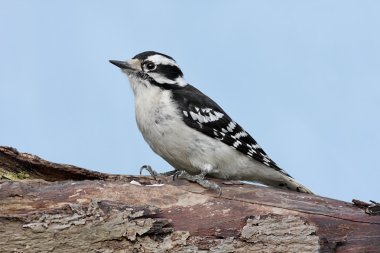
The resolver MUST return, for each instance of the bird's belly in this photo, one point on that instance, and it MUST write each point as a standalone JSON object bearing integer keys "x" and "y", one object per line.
{"x": 186, "y": 149}
{"x": 164, "y": 137}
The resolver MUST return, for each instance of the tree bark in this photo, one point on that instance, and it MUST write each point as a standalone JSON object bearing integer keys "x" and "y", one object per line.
{"x": 50, "y": 207}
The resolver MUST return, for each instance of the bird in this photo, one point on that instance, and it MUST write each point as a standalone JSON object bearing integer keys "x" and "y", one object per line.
{"x": 191, "y": 131}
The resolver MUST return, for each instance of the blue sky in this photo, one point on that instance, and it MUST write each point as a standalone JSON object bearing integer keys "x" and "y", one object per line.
{"x": 303, "y": 77}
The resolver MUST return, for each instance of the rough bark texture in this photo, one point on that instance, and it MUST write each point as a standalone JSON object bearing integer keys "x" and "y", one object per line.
{"x": 49, "y": 207}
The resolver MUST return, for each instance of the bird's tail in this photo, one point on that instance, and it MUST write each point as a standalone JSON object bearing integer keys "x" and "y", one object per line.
{"x": 291, "y": 184}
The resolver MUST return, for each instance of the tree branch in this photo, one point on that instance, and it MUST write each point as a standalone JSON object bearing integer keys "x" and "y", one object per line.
{"x": 47, "y": 206}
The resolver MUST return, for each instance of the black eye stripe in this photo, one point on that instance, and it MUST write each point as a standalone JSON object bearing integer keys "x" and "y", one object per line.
{"x": 169, "y": 71}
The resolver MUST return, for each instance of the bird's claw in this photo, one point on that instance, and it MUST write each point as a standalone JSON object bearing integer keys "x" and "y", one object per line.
{"x": 199, "y": 179}
{"x": 151, "y": 171}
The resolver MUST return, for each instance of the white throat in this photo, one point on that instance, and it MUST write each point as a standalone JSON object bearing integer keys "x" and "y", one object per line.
{"x": 138, "y": 85}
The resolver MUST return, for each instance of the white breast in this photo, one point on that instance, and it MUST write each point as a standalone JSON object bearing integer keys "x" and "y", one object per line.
{"x": 160, "y": 123}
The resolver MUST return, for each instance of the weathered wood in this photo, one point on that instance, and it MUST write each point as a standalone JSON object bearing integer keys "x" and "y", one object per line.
{"x": 16, "y": 165}
{"x": 111, "y": 213}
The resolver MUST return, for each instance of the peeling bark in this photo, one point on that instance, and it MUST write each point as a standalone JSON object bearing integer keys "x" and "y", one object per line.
{"x": 50, "y": 207}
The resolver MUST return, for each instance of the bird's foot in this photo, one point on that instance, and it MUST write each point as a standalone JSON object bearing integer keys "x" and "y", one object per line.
{"x": 151, "y": 171}
{"x": 199, "y": 179}
{"x": 154, "y": 173}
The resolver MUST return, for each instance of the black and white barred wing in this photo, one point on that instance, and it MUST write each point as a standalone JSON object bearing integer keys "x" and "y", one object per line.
{"x": 204, "y": 115}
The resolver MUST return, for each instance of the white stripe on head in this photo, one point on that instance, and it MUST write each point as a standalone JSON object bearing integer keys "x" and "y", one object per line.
{"x": 160, "y": 59}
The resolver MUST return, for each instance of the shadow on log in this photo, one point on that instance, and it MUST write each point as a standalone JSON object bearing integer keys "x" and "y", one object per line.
{"x": 50, "y": 207}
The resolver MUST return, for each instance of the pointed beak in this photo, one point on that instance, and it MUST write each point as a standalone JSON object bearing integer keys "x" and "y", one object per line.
{"x": 121, "y": 64}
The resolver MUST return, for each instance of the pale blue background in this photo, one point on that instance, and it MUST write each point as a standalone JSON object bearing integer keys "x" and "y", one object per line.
{"x": 303, "y": 77}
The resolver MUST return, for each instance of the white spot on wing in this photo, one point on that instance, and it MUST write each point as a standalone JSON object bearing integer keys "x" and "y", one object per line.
{"x": 193, "y": 115}
{"x": 231, "y": 126}
{"x": 230, "y": 129}
{"x": 236, "y": 143}
{"x": 213, "y": 118}
{"x": 212, "y": 115}
{"x": 218, "y": 115}
{"x": 240, "y": 134}
{"x": 185, "y": 113}
{"x": 256, "y": 146}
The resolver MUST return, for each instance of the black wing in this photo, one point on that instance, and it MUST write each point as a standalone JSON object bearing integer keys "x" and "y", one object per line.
{"x": 203, "y": 114}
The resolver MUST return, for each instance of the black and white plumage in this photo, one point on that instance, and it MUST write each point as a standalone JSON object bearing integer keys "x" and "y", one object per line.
{"x": 192, "y": 132}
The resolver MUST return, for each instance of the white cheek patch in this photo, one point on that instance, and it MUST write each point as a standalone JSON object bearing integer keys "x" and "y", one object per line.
{"x": 159, "y": 59}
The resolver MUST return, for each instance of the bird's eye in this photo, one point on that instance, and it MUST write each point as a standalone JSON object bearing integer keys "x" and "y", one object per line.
{"x": 150, "y": 66}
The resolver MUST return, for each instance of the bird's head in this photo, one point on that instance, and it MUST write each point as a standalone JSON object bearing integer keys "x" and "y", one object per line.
{"x": 152, "y": 69}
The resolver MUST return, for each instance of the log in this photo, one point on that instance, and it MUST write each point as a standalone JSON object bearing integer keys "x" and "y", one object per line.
{"x": 51, "y": 207}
